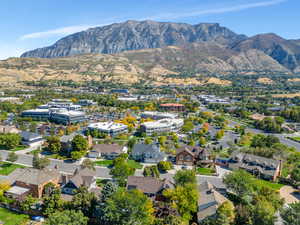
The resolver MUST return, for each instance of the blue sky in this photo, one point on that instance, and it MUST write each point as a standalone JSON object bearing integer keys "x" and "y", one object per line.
{"x": 25, "y": 25}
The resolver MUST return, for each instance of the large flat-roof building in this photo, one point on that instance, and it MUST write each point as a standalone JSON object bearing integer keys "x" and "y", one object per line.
{"x": 172, "y": 107}
{"x": 110, "y": 128}
{"x": 68, "y": 117}
{"x": 158, "y": 115}
{"x": 162, "y": 126}
{"x": 38, "y": 114}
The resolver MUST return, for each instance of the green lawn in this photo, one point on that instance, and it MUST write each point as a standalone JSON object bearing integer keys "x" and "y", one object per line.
{"x": 297, "y": 139}
{"x": 264, "y": 183}
{"x": 19, "y": 148}
{"x": 108, "y": 163}
{"x": 134, "y": 164}
{"x": 105, "y": 163}
{"x": 6, "y": 168}
{"x": 205, "y": 171}
{"x": 12, "y": 218}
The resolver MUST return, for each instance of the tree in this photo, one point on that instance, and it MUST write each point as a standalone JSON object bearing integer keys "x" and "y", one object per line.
{"x": 87, "y": 163}
{"x": 164, "y": 166}
{"x": 219, "y": 134}
{"x": 76, "y": 155}
{"x": 121, "y": 171}
{"x": 84, "y": 201}
{"x": 184, "y": 199}
{"x": 12, "y": 157}
{"x": 295, "y": 174}
{"x": 108, "y": 190}
{"x": 28, "y": 203}
{"x": 291, "y": 214}
{"x": 131, "y": 142}
{"x": 79, "y": 143}
{"x": 127, "y": 208}
{"x": 225, "y": 214}
{"x": 202, "y": 141}
{"x": 52, "y": 202}
{"x": 54, "y": 144}
{"x": 240, "y": 182}
{"x": 264, "y": 213}
{"x": 151, "y": 171}
{"x": 148, "y": 140}
{"x": 183, "y": 177}
{"x": 10, "y": 141}
{"x": 70, "y": 217}
{"x": 40, "y": 163}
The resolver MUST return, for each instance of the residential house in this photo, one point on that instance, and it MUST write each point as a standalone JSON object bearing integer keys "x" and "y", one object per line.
{"x": 148, "y": 153}
{"x": 66, "y": 141}
{"x": 9, "y": 130}
{"x": 210, "y": 199}
{"x": 150, "y": 186}
{"x": 191, "y": 155}
{"x": 81, "y": 177}
{"x": 31, "y": 139}
{"x": 32, "y": 181}
{"x": 265, "y": 168}
{"x": 107, "y": 151}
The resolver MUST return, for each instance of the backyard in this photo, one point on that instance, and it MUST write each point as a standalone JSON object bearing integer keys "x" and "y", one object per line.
{"x": 6, "y": 168}
{"x": 205, "y": 171}
{"x": 11, "y": 218}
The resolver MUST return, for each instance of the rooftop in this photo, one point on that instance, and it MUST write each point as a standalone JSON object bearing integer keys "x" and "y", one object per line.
{"x": 107, "y": 126}
{"x": 163, "y": 123}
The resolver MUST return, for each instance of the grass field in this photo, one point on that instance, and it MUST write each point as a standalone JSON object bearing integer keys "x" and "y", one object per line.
{"x": 297, "y": 139}
{"x": 264, "y": 183}
{"x": 205, "y": 171}
{"x": 11, "y": 218}
{"x": 7, "y": 168}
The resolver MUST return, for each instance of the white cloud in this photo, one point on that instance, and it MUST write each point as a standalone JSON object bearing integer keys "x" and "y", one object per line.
{"x": 59, "y": 31}
{"x": 166, "y": 16}
{"x": 218, "y": 10}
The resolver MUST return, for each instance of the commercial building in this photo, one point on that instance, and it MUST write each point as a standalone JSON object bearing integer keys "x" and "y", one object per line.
{"x": 110, "y": 128}
{"x": 158, "y": 115}
{"x": 60, "y": 104}
{"x": 37, "y": 114}
{"x": 161, "y": 126}
{"x": 86, "y": 102}
{"x": 68, "y": 117}
{"x": 172, "y": 107}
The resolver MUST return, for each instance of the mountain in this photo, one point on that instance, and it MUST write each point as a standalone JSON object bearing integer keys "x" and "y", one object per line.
{"x": 286, "y": 52}
{"x": 134, "y": 35}
{"x": 194, "y": 63}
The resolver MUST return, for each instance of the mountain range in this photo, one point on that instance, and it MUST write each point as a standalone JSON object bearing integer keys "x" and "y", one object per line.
{"x": 155, "y": 52}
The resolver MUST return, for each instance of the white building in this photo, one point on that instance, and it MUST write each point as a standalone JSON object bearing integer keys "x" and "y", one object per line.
{"x": 161, "y": 126}
{"x": 158, "y": 115}
{"x": 110, "y": 128}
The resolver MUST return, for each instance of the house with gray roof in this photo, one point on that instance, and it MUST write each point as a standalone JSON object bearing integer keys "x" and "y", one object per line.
{"x": 148, "y": 153}
{"x": 150, "y": 186}
{"x": 210, "y": 199}
{"x": 34, "y": 180}
{"x": 107, "y": 151}
{"x": 262, "y": 167}
{"x": 31, "y": 139}
{"x": 81, "y": 177}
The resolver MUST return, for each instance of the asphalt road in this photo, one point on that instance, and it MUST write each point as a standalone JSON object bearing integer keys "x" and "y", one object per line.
{"x": 63, "y": 167}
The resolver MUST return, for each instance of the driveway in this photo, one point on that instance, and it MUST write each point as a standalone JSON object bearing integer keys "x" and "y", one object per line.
{"x": 289, "y": 194}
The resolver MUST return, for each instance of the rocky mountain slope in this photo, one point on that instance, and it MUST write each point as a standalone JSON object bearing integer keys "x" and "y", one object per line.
{"x": 134, "y": 35}
{"x": 286, "y": 52}
{"x": 220, "y": 48}
{"x": 188, "y": 64}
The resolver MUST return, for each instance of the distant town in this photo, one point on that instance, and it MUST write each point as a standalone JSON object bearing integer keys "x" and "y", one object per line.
{"x": 167, "y": 158}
